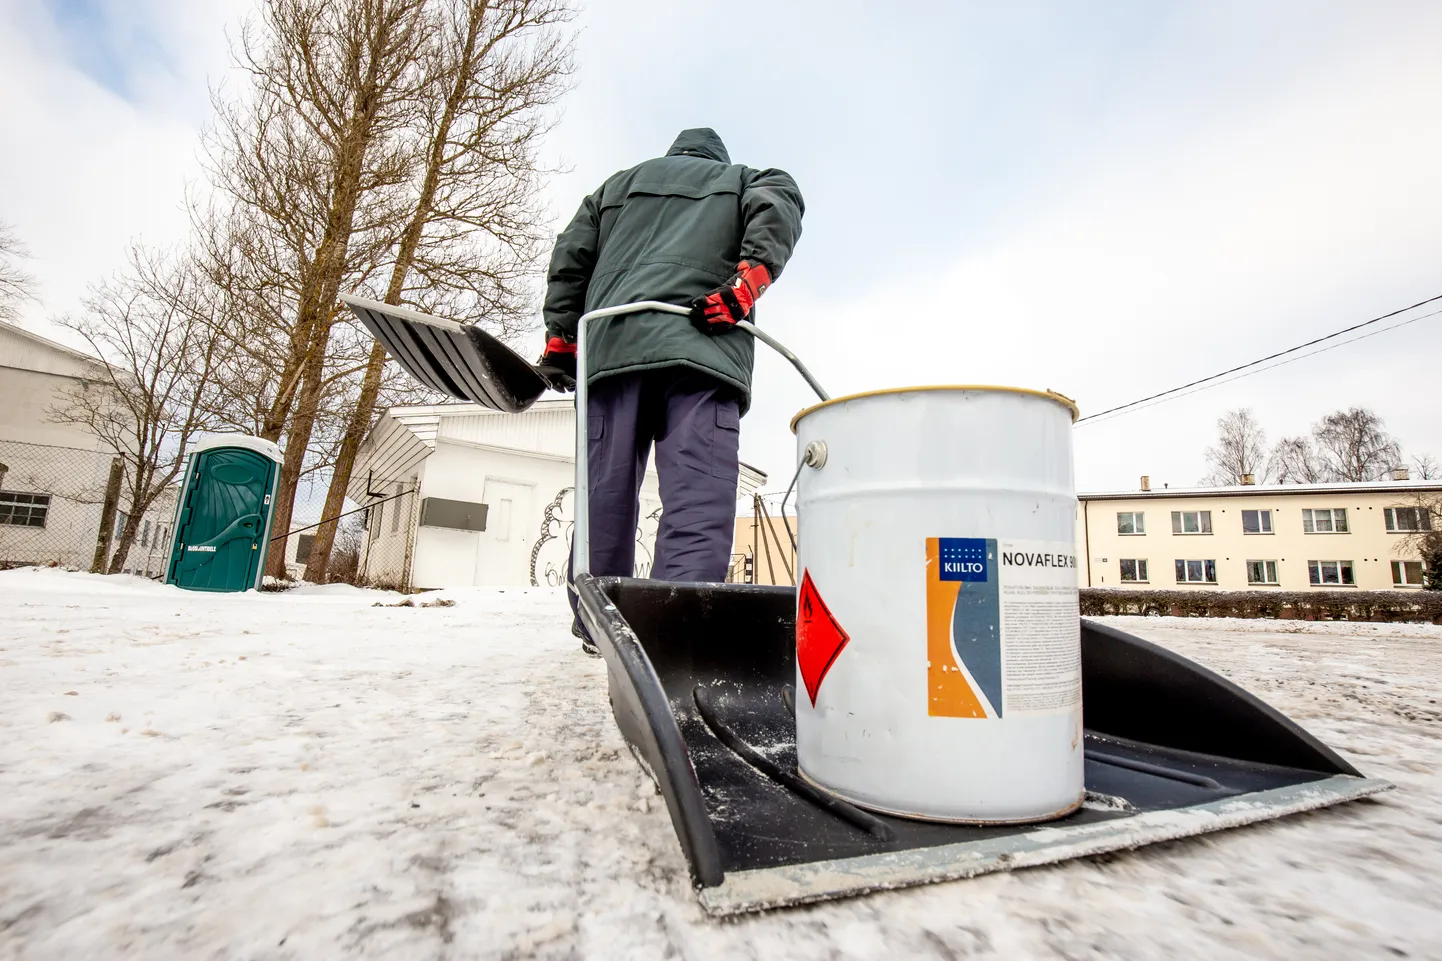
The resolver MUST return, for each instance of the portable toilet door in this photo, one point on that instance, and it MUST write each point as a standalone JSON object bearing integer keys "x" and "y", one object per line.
{"x": 223, "y": 514}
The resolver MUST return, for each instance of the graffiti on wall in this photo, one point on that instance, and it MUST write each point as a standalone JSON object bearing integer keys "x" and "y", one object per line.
{"x": 552, "y": 550}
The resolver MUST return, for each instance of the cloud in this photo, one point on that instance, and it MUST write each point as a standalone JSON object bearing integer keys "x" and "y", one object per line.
{"x": 102, "y": 109}
{"x": 1190, "y": 235}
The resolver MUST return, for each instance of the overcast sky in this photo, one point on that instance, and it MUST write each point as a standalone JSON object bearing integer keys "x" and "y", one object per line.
{"x": 1105, "y": 199}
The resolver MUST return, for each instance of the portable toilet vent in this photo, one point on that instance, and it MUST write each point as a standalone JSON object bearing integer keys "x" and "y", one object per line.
{"x": 222, "y": 521}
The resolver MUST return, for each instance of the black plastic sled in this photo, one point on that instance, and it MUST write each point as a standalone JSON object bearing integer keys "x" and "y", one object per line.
{"x": 460, "y": 360}
{"x": 700, "y": 686}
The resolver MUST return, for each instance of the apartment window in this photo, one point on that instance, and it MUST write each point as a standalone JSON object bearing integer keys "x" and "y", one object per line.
{"x": 1131, "y": 522}
{"x": 1407, "y": 573}
{"x": 23, "y": 510}
{"x": 1324, "y": 521}
{"x": 1134, "y": 570}
{"x": 1256, "y": 522}
{"x": 1330, "y": 572}
{"x": 395, "y": 510}
{"x": 1191, "y": 522}
{"x": 1196, "y": 572}
{"x": 1261, "y": 572}
{"x": 1407, "y": 519}
{"x": 121, "y": 519}
{"x": 145, "y": 535}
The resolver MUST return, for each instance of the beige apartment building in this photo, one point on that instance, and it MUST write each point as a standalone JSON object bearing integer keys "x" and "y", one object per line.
{"x": 1249, "y": 537}
{"x": 1255, "y": 537}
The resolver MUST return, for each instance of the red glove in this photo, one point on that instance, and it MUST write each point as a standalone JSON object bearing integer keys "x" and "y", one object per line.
{"x": 557, "y": 365}
{"x": 719, "y": 310}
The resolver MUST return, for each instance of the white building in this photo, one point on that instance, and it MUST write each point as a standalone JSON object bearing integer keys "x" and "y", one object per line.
{"x": 53, "y": 475}
{"x": 460, "y": 495}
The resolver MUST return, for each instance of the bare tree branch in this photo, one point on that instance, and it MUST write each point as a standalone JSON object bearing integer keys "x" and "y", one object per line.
{"x": 154, "y": 330}
{"x": 16, "y": 284}
{"x": 1355, "y": 445}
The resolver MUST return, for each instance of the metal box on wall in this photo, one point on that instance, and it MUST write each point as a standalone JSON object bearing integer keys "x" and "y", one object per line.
{"x": 455, "y": 515}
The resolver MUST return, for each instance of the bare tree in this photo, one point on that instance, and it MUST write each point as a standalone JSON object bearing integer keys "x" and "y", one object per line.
{"x": 1355, "y": 445}
{"x": 1241, "y": 449}
{"x": 1295, "y": 460}
{"x": 310, "y": 163}
{"x": 1426, "y": 467}
{"x": 154, "y": 332}
{"x": 472, "y": 236}
{"x": 16, "y": 284}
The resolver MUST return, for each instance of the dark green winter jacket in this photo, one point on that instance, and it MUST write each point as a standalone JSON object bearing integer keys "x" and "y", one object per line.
{"x": 670, "y": 229}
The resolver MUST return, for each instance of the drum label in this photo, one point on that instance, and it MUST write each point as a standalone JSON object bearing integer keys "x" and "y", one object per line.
{"x": 1003, "y": 628}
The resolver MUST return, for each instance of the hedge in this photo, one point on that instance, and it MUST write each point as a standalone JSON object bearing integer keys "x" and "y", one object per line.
{"x": 1420, "y": 606}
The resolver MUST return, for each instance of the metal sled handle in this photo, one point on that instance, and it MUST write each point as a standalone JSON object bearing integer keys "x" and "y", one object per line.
{"x": 581, "y": 532}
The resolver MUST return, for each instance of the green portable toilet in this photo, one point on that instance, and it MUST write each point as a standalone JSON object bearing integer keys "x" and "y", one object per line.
{"x": 222, "y": 518}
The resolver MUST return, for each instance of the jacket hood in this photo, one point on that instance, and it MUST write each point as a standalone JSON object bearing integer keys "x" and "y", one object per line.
{"x": 700, "y": 142}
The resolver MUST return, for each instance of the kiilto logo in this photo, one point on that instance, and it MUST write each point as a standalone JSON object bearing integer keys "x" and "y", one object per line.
{"x": 963, "y": 558}
{"x": 1029, "y": 559}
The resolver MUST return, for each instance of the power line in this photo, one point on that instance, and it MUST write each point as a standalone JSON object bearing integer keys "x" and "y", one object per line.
{"x": 1263, "y": 360}
{"x": 1143, "y": 405}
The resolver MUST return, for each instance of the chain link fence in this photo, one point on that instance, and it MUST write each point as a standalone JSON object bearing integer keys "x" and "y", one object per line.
{"x": 373, "y": 545}
{"x": 64, "y": 507}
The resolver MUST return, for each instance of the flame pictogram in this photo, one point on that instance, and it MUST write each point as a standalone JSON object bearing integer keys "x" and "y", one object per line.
{"x": 819, "y": 638}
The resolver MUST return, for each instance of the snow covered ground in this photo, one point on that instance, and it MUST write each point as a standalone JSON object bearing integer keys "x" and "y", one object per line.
{"x": 310, "y": 776}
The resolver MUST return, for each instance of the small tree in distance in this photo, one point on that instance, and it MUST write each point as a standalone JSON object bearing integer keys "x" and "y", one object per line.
{"x": 1241, "y": 449}
{"x": 1355, "y": 445}
{"x": 1295, "y": 461}
{"x": 1347, "y": 445}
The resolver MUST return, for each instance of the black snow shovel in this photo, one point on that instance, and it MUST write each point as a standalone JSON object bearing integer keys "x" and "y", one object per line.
{"x": 459, "y": 360}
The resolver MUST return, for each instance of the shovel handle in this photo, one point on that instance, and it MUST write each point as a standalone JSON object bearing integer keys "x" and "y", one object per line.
{"x": 581, "y": 531}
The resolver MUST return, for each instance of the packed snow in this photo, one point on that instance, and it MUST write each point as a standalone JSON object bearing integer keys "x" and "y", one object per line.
{"x": 324, "y": 774}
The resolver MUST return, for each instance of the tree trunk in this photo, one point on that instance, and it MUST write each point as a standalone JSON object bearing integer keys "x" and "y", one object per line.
{"x": 107, "y": 515}
{"x": 360, "y": 418}
{"x": 143, "y": 492}
{"x": 297, "y": 442}
{"x": 318, "y": 564}
{"x": 127, "y": 540}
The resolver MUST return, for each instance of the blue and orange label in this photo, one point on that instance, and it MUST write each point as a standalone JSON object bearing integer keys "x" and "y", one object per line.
{"x": 963, "y": 628}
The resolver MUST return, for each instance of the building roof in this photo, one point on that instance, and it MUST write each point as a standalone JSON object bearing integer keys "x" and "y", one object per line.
{"x": 40, "y": 354}
{"x": 1271, "y": 490}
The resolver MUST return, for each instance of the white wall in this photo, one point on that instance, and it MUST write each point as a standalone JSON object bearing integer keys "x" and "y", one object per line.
{"x": 63, "y": 461}
{"x": 33, "y": 376}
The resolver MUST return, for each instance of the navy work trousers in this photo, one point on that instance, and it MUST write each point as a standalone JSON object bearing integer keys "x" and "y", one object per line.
{"x": 694, "y": 422}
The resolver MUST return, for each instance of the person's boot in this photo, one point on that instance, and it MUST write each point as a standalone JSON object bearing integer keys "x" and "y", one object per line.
{"x": 586, "y": 644}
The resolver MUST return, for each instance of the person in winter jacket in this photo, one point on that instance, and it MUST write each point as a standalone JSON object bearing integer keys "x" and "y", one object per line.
{"x": 693, "y": 229}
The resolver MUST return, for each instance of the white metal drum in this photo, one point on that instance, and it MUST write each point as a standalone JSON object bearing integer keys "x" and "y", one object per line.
{"x": 938, "y": 636}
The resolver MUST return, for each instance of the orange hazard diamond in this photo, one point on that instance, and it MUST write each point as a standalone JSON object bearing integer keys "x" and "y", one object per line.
{"x": 819, "y": 638}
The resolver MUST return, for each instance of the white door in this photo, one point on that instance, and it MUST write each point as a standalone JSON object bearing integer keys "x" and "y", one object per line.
{"x": 503, "y": 554}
